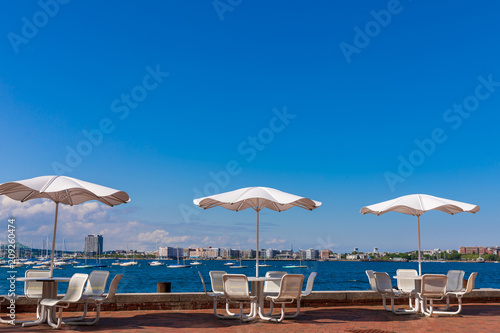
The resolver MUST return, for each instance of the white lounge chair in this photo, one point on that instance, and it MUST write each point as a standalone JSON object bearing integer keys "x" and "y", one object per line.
{"x": 272, "y": 288}
{"x": 236, "y": 291}
{"x": 215, "y": 296}
{"x": 407, "y": 286}
{"x": 218, "y": 288}
{"x": 290, "y": 291}
{"x": 384, "y": 287}
{"x": 32, "y": 289}
{"x": 373, "y": 285}
{"x": 454, "y": 284}
{"x": 433, "y": 288}
{"x": 73, "y": 295}
{"x": 95, "y": 286}
{"x": 459, "y": 295}
{"x": 97, "y": 300}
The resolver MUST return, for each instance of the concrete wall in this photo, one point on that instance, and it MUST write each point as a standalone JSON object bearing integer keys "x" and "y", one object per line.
{"x": 193, "y": 301}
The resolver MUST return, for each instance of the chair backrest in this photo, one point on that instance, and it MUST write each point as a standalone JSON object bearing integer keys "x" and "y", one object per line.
{"x": 406, "y": 285}
{"x": 113, "y": 286}
{"x": 33, "y": 289}
{"x": 96, "y": 283}
{"x": 291, "y": 286}
{"x": 235, "y": 286}
{"x": 383, "y": 282}
{"x": 202, "y": 282}
{"x": 75, "y": 288}
{"x": 310, "y": 283}
{"x": 216, "y": 281}
{"x": 273, "y": 286}
{"x": 434, "y": 285}
{"x": 455, "y": 280}
{"x": 371, "y": 279}
{"x": 470, "y": 282}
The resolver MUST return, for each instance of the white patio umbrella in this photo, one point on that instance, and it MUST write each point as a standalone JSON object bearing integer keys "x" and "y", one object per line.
{"x": 61, "y": 189}
{"x": 256, "y": 198}
{"x": 416, "y": 205}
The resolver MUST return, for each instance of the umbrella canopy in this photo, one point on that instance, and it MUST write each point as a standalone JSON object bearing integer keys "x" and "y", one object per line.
{"x": 256, "y": 198}
{"x": 61, "y": 189}
{"x": 416, "y": 205}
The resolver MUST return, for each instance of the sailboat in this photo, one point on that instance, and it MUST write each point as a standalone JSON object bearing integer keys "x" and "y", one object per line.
{"x": 195, "y": 262}
{"x": 156, "y": 262}
{"x": 300, "y": 262}
{"x": 296, "y": 266}
{"x": 84, "y": 265}
{"x": 178, "y": 265}
{"x": 129, "y": 263}
{"x": 98, "y": 263}
{"x": 264, "y": 265}
{"x": 239, "y": 266}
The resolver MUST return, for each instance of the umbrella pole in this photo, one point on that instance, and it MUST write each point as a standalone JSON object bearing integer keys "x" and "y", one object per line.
{"x": 53, "y": 242}
{"x": 257, "y": 259}
{"x": 419, "y": 253}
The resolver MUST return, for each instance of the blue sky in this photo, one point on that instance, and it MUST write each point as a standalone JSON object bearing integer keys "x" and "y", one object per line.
{"x": 346, "y": 102}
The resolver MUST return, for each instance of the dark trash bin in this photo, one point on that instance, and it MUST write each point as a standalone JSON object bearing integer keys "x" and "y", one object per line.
{"x": 163, "y": 287}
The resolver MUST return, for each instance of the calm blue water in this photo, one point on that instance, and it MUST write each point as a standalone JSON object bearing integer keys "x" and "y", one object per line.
{"x": 332, "y": 275}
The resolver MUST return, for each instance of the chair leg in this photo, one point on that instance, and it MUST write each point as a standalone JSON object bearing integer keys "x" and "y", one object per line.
{"x": 41, "y": 319}
{"x": 82, "y": 317}
{"x": 452, "y": 312}
{"x": 50, "y": 320}
{"x": 88, "y": 322}
{"x": 231, "y": 315}
{"x": 384, "y": 303}
{"x": 271, "y": 308}
{"x": 296, "y": 313}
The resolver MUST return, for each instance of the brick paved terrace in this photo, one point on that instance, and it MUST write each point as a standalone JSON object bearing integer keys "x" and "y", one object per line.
{"x": 477, "y": 317}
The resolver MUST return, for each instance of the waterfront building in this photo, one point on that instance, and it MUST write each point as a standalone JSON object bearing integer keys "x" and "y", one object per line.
{"x": 93, "y": 245}
{"x": 472, "y": 250}
{"x": 312, "y": 254}
{"x": 324, "y": 254}
{"x": 271, "y": 253}
{"x": 171, "y": 252}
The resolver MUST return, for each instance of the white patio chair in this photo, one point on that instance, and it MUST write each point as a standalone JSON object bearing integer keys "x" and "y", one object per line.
{"x": 236, "y": 291}
{"x": 384, "y": 287}
{"x": 95, "y": 286}
{"x": 73, "y": 295}
{"x": 215, "y": 296}
{"x": 32, "y": 289}
{"x": 433, "y": 288}
{"x": 407, "y": 285}
{"x": 218, "y": 288}
{"x": 454, "y": 284}
{"x": 290, "y": 291}
{"x": 97, "y": 300}
{"x": 272, "y": 288}
{"x": 373, "y": 285}
{"x": 371, "y": 280}
{"x": 459, "y": 294}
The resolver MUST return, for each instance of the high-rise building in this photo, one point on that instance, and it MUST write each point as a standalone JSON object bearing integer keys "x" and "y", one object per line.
{"x": 93, "y": 245}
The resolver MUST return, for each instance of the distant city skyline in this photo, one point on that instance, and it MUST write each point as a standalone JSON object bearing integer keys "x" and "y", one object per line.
{"x": 347, "y": 103}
